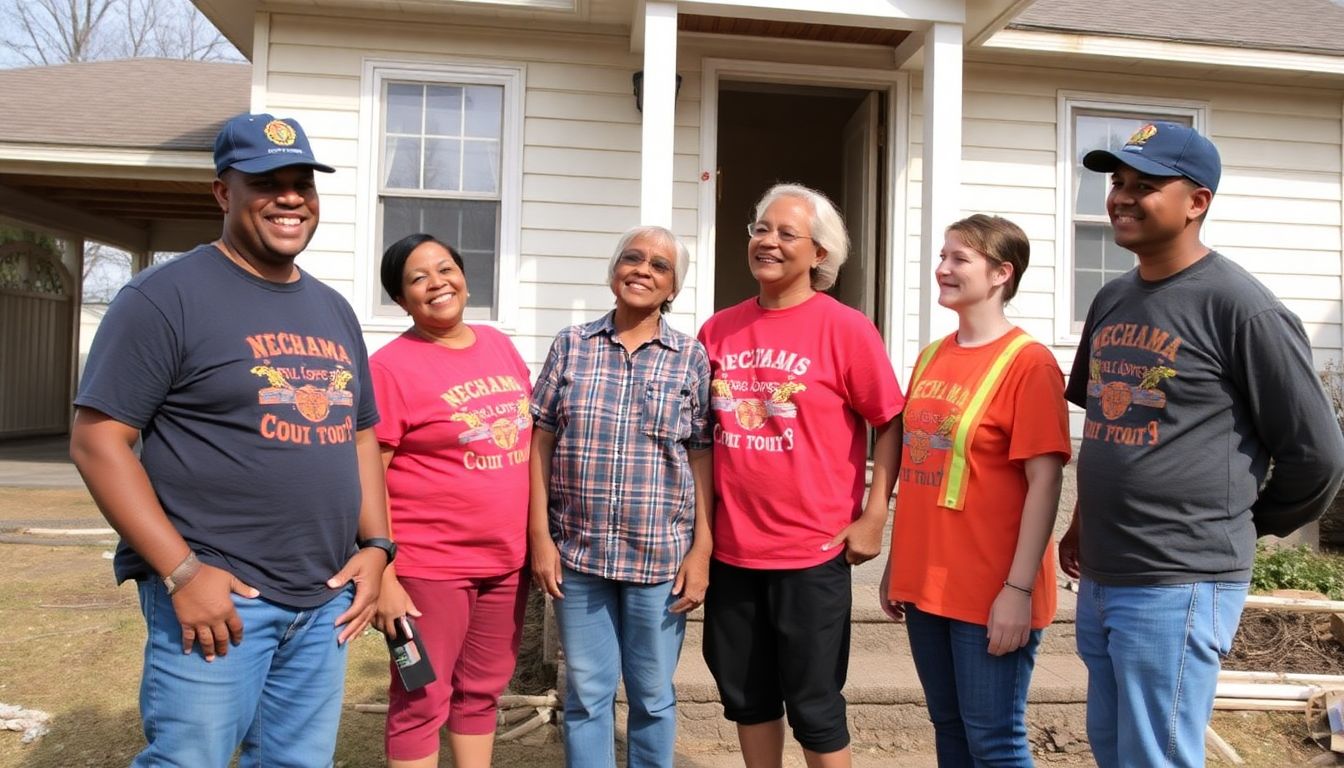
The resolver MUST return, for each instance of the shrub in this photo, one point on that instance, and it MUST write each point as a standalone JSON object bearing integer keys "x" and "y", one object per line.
{"x": 1298, "y": 568}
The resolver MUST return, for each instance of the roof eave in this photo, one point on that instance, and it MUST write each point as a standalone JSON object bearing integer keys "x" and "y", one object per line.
{"x": 235, "y": 19}
{"x": 1164, "y": 50}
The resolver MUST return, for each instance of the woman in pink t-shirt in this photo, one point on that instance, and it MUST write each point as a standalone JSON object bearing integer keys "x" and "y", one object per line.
{"x": 798, "y": 378}
{"x": 455, "y": 431}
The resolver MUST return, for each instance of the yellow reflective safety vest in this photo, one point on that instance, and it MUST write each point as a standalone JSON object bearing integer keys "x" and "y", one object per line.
{"x": 956, "y": 472}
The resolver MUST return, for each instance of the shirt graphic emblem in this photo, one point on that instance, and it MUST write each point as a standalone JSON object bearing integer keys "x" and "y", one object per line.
{"x": 1116, "y": 397}
{"x": 312, "y": 402}
{"x": 750, "y": 412}
{"x": 503, "y": 432}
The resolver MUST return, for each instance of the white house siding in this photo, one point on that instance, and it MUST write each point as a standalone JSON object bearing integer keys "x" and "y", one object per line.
{"x": 1277, "y": 212}
{"x": 580, "y": 159}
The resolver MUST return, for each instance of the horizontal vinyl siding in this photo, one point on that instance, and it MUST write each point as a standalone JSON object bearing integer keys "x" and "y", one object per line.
{"x": 1277, "y": 212}
{"x": 580, "y": 155}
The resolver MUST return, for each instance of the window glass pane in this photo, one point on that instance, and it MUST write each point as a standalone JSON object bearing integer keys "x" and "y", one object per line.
{"x": 480, "y": 223}
{"x": 403, "y": 107}
{"x": 1118, "y": 259}
{"x": 1088, "y": 245}
{"x": 470, "y": 226}
{"x": 1089, "y": 133}
{"x": 1092, "y": 191}
{"x": 485, "y": 110}
{"x": 443, "y": 105}
{"x": 443, "y": 164}
{"x": 1085, "y": 287}
{"x": 480, "y": 166}
{"x": 401, "y": 163}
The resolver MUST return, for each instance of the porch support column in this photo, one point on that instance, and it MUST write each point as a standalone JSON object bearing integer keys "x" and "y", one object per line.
{"x": 941, "y": 184}
{"x": 660, "y": 92}
{"x": 140, "y": 261}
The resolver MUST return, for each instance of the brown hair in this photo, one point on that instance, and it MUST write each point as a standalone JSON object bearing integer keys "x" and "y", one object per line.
{"x": 998, "y": 240}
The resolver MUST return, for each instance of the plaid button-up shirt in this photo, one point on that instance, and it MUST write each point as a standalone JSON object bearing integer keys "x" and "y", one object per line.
{"x": 622, "y": 499}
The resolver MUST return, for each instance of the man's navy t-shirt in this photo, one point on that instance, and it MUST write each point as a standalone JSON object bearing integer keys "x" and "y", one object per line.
{"x": 248, "y": 395}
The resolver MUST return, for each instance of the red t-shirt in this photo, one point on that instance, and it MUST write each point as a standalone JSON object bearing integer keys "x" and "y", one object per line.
{"x": 953, "y": 563}
{"x": 460, "y": 427}
{"x": 791, "y": 390}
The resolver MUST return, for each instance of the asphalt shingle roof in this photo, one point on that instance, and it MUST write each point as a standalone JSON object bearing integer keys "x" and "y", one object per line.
{"x": 127, "y": 104}
{"x": 1307, "y": 26}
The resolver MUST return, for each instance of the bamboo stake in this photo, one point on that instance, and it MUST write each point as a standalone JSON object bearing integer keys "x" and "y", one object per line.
{"x": 1223, "y": 749}
{"x": 1260, "y": 705}
{"x": 518, "y": 700}
{"x": 1299, "y": 604}
{"x": 1238, "y": 676}
{"x": 543, "y": 717}
{"x": 1231, "y": 690}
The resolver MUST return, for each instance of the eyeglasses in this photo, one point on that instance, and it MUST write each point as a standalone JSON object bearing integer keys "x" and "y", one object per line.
{"x": 658, "y": 264}
{"x": 761, "y": 229}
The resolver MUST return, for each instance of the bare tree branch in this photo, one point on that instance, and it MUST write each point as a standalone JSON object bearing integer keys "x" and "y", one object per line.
{"x": 45, "y": 32}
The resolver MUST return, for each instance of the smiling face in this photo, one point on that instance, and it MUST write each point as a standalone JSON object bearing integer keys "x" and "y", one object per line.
{"x": 1151, "y": 212}
{"x": 269, "y": 218}
{"x": 780, "y": 266}
{"x": 966, "y": 277}
{"x": 645, "y": 274}
{"x": 433, "y": 288}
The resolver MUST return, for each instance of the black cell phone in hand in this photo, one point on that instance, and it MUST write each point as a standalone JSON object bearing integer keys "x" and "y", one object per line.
{"x": 408, "y": 654}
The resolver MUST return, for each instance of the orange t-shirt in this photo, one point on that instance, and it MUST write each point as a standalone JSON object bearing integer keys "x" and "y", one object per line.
{"x": 953, "y": 563}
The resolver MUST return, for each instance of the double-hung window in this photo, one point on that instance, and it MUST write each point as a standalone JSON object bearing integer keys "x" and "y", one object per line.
{"x": 446, "y": 145}
{"x": 1091, "y": 257}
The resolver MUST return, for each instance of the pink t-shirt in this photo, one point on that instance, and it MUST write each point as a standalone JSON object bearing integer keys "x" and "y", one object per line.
{"x": 790, "y": 392}
{"x": 459, "y": 423}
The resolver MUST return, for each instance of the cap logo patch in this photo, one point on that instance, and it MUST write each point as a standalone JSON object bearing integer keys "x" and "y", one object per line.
{"x": 1142, "y": 136}
{"x": 280, "y": 133}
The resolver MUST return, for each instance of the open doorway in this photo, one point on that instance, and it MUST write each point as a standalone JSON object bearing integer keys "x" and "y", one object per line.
{"x": 827, "y": 138}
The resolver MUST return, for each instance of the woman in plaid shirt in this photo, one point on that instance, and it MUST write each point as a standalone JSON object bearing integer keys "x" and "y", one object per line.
{"x": 619, "y": 527}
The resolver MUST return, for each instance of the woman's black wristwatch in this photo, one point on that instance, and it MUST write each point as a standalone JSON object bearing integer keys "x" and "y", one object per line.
{"x": 387, "y": 545}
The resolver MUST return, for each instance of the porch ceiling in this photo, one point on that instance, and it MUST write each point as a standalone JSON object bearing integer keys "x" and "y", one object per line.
{"x": 136, "y": 201}
{"x": 788, "y": 30}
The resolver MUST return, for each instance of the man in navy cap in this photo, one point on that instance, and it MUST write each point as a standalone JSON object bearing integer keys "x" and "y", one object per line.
{"x": 254, "y": 518}
{"x": 1194, "y": 378}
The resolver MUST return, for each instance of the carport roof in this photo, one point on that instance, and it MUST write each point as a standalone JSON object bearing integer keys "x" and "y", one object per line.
{"x": 132, "y": 104}
{"x": 117, "y": 151}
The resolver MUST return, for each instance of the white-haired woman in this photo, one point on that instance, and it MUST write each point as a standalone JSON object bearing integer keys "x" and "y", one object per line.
{"x": 797, "y": 379}
{"x": 619, "y": 528}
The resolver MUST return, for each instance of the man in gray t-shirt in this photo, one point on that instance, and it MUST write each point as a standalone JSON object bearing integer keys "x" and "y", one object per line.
{"x": 1194, "y": 378}
{"x": 256, "y": 506}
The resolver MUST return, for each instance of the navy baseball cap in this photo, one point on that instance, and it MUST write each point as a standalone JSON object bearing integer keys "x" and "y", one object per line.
{"x": 262, "y": 143}
{"x": 1163, "y": 149}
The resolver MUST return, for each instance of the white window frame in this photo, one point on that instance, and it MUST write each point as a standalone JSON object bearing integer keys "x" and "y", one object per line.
{"x": 1069, "y": 102}
{"x": 368, "y": 255}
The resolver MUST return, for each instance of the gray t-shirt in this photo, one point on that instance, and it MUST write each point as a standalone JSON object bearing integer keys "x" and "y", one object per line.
{"x": 248, "y": 395}
{"x": 1192, "y": 384}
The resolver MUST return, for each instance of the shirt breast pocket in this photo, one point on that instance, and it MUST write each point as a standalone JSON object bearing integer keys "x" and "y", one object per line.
{"x": 667, "y": 412}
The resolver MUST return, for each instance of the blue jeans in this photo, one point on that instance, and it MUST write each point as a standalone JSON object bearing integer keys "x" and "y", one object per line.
{"x": 278, "y": 693}
{"x": 1152, "y": 656}
{"x": 977, "y": 702}
{"x": 610, "y": 629}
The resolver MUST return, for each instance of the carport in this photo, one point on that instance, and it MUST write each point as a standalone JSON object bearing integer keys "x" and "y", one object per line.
{"x": 117, "y": 152}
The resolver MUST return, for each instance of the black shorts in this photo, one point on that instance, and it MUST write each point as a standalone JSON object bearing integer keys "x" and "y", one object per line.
{"x": 778, "y": 641}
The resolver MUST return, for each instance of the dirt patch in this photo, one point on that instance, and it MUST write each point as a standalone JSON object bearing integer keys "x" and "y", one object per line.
{"x": 1266, "y": 739}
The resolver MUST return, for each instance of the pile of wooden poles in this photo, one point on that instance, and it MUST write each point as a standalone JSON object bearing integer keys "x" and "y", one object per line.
{"x": 1276, "y": 691}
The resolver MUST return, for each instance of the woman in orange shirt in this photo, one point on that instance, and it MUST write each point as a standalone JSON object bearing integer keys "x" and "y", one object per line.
{"x": 985, "y": 441}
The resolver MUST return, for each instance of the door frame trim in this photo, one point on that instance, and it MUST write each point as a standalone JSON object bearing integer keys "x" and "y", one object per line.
{"x": 896, "y": 85}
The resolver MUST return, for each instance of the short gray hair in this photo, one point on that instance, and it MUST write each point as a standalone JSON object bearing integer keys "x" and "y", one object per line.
{"x": 828, "y": 229}
{"x": 665, "y": 236}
